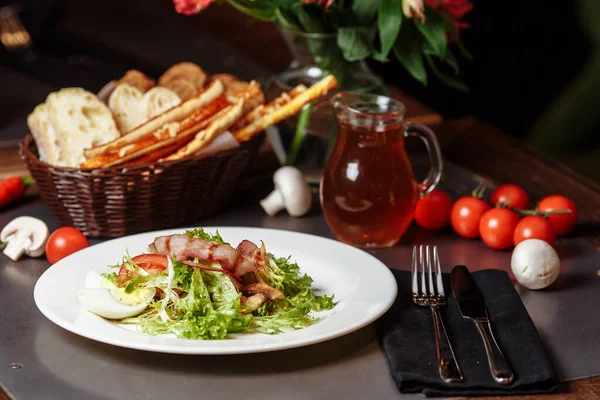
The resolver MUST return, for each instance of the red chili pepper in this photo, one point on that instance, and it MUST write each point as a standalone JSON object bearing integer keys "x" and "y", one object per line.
{"x": 12, "y": 188}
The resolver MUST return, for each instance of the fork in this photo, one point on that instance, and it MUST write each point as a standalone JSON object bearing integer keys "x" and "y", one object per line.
{"x": 425, "y": 294}
{"x": 13, "y": 34}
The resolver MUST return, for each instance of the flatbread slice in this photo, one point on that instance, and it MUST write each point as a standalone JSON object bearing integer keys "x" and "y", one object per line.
{"x": 222, "y": 122}
{"x": 178, "y": 113}
{"x": 317, "y": 90}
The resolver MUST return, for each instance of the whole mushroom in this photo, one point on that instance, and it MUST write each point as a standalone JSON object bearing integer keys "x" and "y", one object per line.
{"x": 535, "y": 264}
{"x": 24, "y": 235}
{"x": 291, "y": 192}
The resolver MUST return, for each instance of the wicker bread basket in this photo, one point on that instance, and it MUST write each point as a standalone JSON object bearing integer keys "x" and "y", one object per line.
{"x": 119, "y": 201}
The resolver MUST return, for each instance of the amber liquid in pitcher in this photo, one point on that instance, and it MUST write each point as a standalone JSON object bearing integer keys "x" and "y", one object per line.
{"x": 368, "y": 191}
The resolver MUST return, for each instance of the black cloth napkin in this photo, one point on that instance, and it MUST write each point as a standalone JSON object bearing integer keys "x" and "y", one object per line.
{"x": 406, "y": 336}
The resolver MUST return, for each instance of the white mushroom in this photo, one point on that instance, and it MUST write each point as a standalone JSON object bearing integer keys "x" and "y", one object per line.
{"x": 535, "y": 264}
{"x": 24, "y": 235}
{"x": 291, "y": 192}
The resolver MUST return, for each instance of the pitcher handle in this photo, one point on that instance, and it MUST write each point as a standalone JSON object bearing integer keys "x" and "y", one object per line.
{"x": 435, "y": 154}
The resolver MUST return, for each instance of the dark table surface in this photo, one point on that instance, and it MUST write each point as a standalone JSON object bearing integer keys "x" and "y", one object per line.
{"x": 65, "y": 366}
{"x": 58, "y": 364}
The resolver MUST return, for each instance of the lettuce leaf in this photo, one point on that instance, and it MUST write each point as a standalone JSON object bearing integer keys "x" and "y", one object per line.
{"x": 206, "y": 304}
{"x": 199, "y": 233}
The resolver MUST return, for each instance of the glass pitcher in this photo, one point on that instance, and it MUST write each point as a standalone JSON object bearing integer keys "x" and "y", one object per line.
{"x": 368, "y": 190}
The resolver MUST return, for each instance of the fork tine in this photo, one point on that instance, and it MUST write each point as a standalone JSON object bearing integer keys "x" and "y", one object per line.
{"x": 413, "y": 271}
{"x": 422, "y": 270}
{"x": 431, "y": 291}
{"x": 438, "y": 273}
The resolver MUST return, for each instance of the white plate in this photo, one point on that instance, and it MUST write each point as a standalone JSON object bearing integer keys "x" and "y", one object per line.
{"x": 364, "y": 289}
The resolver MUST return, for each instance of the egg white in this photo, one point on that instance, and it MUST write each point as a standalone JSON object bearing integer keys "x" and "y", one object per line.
{"x": 101, "y": 298}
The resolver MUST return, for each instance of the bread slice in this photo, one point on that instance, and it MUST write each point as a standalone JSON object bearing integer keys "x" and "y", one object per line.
{"x": 124, "y": 102}
{"x": 70, "y": 120}
{"x": 178, "y": 113}
{"x": 222, "y": 121}
{"x": 138, "y": 80}
{"x": 131, "y": 108}
{"x": 292, "y": 107}
{"x": 156, "y": 101}
{"x": 186, "y": 79}
{"x": 44, "y": 135}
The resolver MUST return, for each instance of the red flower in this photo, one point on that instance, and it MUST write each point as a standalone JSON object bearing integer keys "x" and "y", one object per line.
{"x": 456, "y": 10}
{"x": 190, "y": 7}
{"x": 322, "y": 3}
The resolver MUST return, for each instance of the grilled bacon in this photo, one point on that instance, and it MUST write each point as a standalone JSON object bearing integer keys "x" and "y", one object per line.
{"x": 185, "y": 248}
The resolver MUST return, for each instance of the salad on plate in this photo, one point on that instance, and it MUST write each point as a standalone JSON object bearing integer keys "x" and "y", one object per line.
{"x": 197, "y": 286}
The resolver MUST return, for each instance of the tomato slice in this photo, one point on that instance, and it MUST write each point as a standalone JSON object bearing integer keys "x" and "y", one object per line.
{"x": 151, "y": 263}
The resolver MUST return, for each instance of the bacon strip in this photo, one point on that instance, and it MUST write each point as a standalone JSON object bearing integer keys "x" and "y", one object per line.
{"x": 185, "y": 248}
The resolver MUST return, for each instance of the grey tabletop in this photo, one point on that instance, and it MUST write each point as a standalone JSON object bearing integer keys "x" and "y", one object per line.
{"x": 60, "y": 365}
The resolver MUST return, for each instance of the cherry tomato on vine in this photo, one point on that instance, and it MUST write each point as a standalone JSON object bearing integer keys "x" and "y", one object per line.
{"x": 510, "y": 195}
{"x": 465, "y": 216}
{"x": 63, "y": 242}
{"x": 562, "y": 223}
{"x": 497, "y": 227}
{"x": 534, "y": 227}
{"x": 433, "y": 211}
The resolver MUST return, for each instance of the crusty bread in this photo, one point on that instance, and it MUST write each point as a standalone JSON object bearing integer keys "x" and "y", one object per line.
{"x": 186, "y": 79}
{"x": 137, "y": 79}
{"x": 124, "y": 103}
{"x": 232, "y": 84}
{"x": 44, "y": 135}
{"x": 178, "y": 113}
{"x": 156, "y": 101}
{"x": 131, "y": 108}
{"x": 71, "y": 120}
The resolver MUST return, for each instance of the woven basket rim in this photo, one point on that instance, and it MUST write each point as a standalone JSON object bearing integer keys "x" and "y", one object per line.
{"x": 26, "y": 152}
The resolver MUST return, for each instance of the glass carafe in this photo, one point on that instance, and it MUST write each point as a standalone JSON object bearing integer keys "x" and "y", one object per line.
{"x": 368, "y": 190}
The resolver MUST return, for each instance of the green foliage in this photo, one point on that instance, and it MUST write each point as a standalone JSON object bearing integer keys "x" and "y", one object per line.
{"x": 389, "y": 22}
{"x": 367, "y": 29}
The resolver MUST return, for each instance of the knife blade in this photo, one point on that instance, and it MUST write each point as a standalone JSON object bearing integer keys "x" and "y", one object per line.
{"x": 472, "y": 306}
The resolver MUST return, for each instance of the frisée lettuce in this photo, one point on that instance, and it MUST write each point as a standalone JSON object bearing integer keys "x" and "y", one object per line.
{"x": 208, "y": 302}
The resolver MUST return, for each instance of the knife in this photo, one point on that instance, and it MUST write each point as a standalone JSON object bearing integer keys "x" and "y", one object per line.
{"x": 472, "y": 306}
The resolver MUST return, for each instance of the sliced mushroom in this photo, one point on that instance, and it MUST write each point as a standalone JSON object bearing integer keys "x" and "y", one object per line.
{"x": 24, "y": 235}
{"x": 264, "y": 289}
{"x": 252, "y": 303}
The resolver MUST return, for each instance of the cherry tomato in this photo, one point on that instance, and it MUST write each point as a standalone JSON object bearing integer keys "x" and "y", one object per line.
{"x": 11, "y": 188}
{"x": 562, "y": 223}
{"x": 510, "y": 195}
{"x": 433, "y": 211}
{"x": 497, "y": 227}
{"x": 465, "y": 216}
{"x": 534, "y": 227}
{"x": 5, "y": 196}
{"x": 151, "y": 263}
{"x": 63, "y": 242}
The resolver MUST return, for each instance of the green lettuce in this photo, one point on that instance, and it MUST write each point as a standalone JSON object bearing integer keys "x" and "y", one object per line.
{"x": 204, "y": 304}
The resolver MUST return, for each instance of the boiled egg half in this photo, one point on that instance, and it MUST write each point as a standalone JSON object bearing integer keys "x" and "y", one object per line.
{"x": 103, "y": 298}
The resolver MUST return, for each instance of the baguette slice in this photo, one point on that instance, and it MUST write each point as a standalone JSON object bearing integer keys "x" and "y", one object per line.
{"x": 79, "y": 120}
{"x": 124, "y": 103}
{"x": 180, "y": 132}
{"x": 317, "y": 90}
{"x": 156, "y": 101}
{"x": 178, "y": 113}
{"x": 44, "y": 135}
